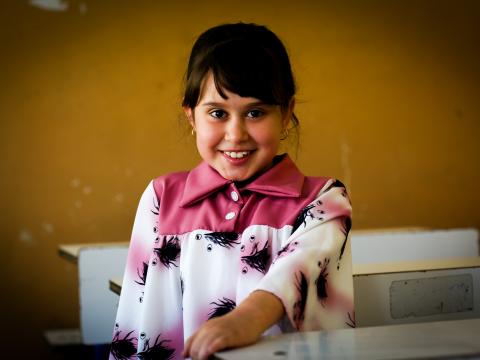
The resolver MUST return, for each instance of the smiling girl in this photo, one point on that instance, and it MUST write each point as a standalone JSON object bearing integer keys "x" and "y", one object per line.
{"x": 244, "y": 244}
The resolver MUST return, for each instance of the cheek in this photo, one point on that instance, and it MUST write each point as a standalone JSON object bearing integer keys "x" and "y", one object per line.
{"x": 268, "y": 138}
{"x": 268, "y": 134}
{"x": 207, "y": 140}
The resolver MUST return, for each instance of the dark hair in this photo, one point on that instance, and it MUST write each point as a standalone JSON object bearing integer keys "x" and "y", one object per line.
{"x": 246, "y": 59}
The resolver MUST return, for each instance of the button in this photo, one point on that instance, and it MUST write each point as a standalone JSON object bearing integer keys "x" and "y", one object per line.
{"x": 234, "y": 196}
{"x": 230, "y": 215}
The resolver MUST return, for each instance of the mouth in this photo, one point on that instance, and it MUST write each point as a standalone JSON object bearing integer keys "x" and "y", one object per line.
{"x": 237, "y": 154}
{"x": 237, "y": 158}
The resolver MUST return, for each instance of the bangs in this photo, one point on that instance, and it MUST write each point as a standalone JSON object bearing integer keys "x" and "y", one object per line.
{"x": 246, "y": 70}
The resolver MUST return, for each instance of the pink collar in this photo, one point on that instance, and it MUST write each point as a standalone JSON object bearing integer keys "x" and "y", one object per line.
{"x": 281, "y": 180}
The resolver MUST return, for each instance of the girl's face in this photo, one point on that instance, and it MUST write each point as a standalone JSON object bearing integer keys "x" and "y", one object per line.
{"x": 237, "y": 136}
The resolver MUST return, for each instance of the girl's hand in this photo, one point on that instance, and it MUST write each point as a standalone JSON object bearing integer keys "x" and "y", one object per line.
{"x": 242, "y": 326}
{"x": 219, "y": 333}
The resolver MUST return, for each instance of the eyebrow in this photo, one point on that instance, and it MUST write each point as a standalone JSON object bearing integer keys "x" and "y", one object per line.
{"x": 217, "y": 104}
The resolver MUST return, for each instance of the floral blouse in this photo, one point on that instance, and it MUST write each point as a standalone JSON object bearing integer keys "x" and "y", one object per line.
{"x": 201, "y": 244}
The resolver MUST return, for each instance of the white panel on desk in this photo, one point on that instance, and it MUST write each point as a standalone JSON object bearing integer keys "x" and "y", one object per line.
{"x": 431, "y": 296}
{"x": 98, "y": 305}
{"x": 378, "y": 302}
{"x": 381, "y": 247}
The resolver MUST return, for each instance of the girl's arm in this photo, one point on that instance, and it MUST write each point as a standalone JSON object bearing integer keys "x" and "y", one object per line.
{"x": 126, "y": 332}
{"x": 312, "y": 273}
{"x": 241, "y": 326}
{"x": 310, "y": 280}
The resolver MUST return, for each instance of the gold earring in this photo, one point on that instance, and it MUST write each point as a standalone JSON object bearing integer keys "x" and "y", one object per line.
{"x": 193, "y": 131}
{"x": 284, "y": 134}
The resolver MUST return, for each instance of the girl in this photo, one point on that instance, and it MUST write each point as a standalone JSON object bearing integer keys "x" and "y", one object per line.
{"x": 244, "y": 244}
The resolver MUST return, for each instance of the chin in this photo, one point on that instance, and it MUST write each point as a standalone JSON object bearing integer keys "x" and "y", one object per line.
{"x": 236, "y": 177}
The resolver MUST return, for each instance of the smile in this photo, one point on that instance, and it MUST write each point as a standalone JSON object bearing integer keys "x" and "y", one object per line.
{"x": 236, "y": 154}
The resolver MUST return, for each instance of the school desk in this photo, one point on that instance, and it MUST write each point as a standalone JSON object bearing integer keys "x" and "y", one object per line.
{"x": 371, "y": 246}
{"x": 455, "y": 339}
{"x": 98, "y": 306}
{"x": 71, "y": 252}
{"x": 380, "y": 251}
{"x": 409, "y": 292}
{"x": 115, "y": 285}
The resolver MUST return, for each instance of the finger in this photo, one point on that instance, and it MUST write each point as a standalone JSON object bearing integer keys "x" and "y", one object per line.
{"x": 211, "y": 346}
{"x": 204, "y": 352}
{"x": 196, "y": 344}
{"x": 200, "y": 348}
{"x": 218, "y": 344}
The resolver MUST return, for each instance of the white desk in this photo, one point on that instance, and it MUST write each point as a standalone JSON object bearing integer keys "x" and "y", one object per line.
{"x": 71, "y": 252}
{"x": 409, "y": 292}
{"x": 447, "y": 340}
{"x": 413, "y": 244}
{"x": 417, "y": 291}
{"x": 97, "y": 262}
{"x": 115, "y": 285}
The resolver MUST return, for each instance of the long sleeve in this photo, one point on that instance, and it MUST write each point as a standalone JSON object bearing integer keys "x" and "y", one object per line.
{"x": 312, "y": 273}
{"x": 126, "y": 332}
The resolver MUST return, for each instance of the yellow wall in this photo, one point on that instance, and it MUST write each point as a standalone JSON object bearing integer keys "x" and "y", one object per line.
{"x": 90, "y": 107}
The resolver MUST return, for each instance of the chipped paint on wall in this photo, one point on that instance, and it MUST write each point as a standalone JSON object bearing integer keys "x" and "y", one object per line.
{"x": 51, "y": 5}
{"x": 57, "y": 5}
{"x": 26, "y": 237}
{"x": 48, "y": 227}
{"x": 75, "y": 183}
{"x": 119, "y": 197}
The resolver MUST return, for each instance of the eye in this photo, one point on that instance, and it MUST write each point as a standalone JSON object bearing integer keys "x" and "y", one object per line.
{"x": 209, "y": 247}
{"x": 252, "y": 238}
{"x": 154, "y": 262}
{"x": 242, "y": 248}
{"x": 142, "y": 335}
{"x": 218, "y": 114}
{"x": 244, "y": 270}
{"x": 198, "y": 237}
{"x": 116, "y": 325}
{"x": 255, "y": 113}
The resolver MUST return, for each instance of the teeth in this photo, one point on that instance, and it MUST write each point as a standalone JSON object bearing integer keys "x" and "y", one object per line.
{"x": 236, "y": 155}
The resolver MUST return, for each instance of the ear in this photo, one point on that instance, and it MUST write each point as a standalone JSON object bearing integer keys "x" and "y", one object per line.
{"x": 189, "y": 114}
{"x": 288, "y": 114}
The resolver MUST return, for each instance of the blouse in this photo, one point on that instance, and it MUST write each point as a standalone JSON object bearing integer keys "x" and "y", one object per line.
{"x": 201, "y": 244}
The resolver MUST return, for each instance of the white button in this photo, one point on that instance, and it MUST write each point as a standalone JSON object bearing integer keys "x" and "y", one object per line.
{"x": 234, "y": 196}
{"x": 230, "y": 215}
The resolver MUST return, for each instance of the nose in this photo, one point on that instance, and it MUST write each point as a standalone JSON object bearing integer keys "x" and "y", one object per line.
{"x": 236, "y": 130}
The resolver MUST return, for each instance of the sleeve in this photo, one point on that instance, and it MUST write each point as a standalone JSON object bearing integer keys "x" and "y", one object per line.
{"x": 130, "y": 306}
{"x": 312, "y": 273}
